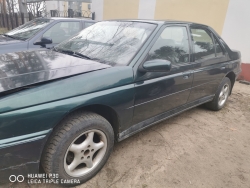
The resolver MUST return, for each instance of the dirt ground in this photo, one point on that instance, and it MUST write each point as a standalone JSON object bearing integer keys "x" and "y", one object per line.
{"x": 198, "y": 148}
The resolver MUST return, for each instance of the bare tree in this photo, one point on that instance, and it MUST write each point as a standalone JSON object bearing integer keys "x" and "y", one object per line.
{"x": 35, "y": 8}
{"x": 11, "y": 9}
{"x": 3, "y": 6}
{"x": 12, "y": 6}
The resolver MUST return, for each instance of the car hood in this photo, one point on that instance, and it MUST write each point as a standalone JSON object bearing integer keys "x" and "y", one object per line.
{"x": 7, "y": 40}
{"x": 21, "y": 69}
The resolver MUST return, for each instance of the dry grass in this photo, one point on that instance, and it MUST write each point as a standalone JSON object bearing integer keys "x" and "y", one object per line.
{"x": 3, "y": 30}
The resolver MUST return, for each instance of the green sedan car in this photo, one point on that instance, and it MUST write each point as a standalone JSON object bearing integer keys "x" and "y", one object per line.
{"x": 63, "y": 109}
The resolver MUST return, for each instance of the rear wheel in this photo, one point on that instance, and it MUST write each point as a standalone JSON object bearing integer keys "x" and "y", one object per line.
{"x": 221, "y": 95}
{"x": 79, "y": 147}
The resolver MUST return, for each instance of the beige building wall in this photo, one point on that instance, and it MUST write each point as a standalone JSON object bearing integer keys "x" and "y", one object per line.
{"x": 85, "y": 6}
{"x": 65, "y": 5}
{"x": 209, "y": 12}
{"x": 120, "y": 9}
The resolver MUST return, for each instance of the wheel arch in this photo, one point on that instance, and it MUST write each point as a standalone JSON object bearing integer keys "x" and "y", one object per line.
{"x": 105, "y": 111}
{"x": 231, "y": 75}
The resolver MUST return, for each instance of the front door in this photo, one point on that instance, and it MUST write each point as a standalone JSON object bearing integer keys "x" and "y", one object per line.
{"x": 158, "y": 92}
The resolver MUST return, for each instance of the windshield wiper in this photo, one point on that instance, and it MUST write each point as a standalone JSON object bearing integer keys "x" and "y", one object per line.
{"x": 10, "y": 36}
{"x": 54, "y": 49}
{"x": 69, "y": 52}
{"x": 81, "y": 55}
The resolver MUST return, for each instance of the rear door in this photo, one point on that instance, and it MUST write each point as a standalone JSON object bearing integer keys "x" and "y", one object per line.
{"x": 208, "y": 56}
{"x": 158, "y": 92}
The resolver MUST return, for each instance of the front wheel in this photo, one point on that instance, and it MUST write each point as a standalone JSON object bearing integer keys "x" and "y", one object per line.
{"x": 79, "y": 148}
{"x": 221, "y": 95}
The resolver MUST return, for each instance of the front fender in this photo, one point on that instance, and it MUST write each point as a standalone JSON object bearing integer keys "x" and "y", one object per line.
{"x": 46, "y": 116}
{"x": 23, "y": 132}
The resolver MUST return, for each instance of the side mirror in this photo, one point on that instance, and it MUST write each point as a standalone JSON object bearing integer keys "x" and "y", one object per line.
{"x": 44, "y": 41}
{"x": 156, "y": 65}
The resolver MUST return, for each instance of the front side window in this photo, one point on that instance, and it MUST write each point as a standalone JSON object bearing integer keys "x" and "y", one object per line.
{"x": 110, "y": 42}
{"x": 203, "y": 44}
{"x": 62, "y": 30}
{"x": 172, "y": 45}
{"x": 29, "y": 29}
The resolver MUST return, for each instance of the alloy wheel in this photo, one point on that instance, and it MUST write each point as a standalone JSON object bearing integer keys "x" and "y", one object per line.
{"x": 223, "y": 95}
{"x": 85, "y": 153}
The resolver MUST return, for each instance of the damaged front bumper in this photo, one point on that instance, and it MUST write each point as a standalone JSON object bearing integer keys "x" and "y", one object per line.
{"x": 21, "y": 155}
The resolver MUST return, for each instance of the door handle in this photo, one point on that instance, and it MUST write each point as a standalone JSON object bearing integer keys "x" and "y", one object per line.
{"x": 186, "y": 75}
{"x": 222, "y": 68}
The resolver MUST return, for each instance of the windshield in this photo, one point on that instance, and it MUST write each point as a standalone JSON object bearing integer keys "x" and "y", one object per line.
{"x": 110, "y": 42}
{"x": 29, "y": 29}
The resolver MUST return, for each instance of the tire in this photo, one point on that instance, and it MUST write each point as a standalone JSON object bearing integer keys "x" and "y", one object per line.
{"x": 81, "y": 138}
{"x": 221, "y": 95}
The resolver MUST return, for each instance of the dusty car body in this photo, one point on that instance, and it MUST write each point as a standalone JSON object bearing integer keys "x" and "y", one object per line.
{"x": 39, "y": 89}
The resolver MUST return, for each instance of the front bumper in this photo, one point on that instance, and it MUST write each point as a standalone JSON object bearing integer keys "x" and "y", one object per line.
{"x": 21, "y": 155}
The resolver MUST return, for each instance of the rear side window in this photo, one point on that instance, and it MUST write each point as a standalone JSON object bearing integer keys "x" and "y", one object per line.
{"x": 203, "y": 44}
{"x": 172, "y": 45}
{"x": 218, "y": 49}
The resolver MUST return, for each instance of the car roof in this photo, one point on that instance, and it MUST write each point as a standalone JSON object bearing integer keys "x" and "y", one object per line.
{"x": 158, "y": 21}
{"x": 62, "y": 18}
